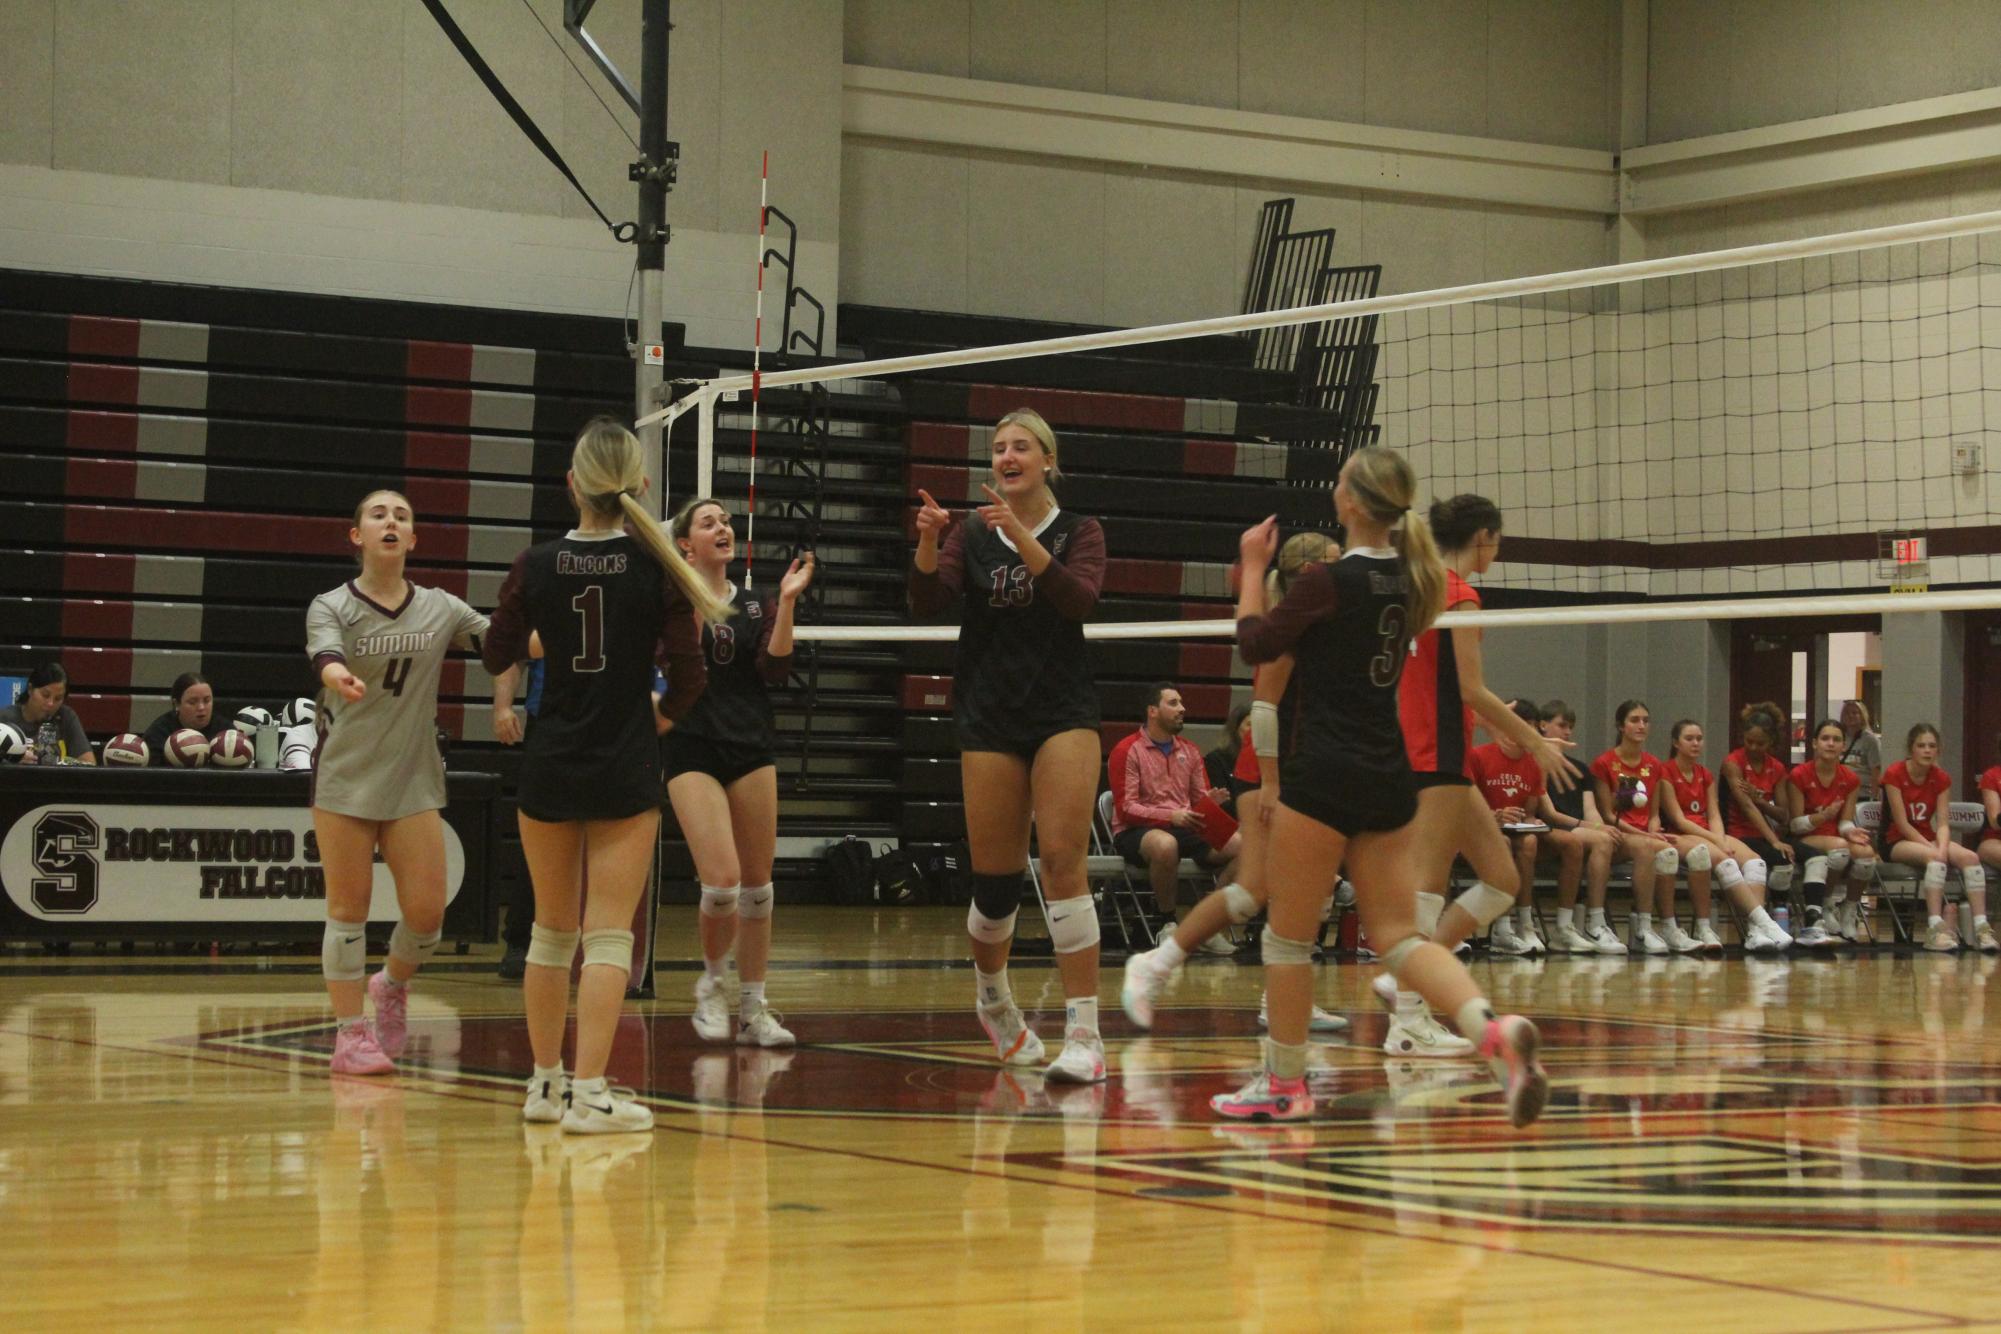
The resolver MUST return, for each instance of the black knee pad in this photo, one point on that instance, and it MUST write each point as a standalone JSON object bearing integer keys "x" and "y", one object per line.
{"x": 997, "y": 896}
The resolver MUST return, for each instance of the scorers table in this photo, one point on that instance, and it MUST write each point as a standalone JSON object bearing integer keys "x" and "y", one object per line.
{"x": 96, "y": 853}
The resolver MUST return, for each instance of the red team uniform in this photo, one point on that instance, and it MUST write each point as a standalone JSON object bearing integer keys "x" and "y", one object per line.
{"x": 1505, "y": 782}
{"x": 1437, "y": 725}
{"x": 1764, "y": 779}
{"x": 1922, "y": 800}
{"x": 1690, "y": 793}
{"x": 1817, "y": 795}
{"x": 1628, "y": 781}
{"x": 1990, "y": 782}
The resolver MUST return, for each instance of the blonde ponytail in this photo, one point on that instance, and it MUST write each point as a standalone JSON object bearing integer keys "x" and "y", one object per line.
{"x": 606, "y": 472}
{"x": 1382, "y": 483}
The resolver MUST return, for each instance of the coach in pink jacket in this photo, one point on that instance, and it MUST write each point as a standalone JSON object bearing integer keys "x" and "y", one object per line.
{"x": 1157, "y": 780}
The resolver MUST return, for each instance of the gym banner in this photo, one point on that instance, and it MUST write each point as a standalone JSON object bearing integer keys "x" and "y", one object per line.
{"x": 91, "y": 862}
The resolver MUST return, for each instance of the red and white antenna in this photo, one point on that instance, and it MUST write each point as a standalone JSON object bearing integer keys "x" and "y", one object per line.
{"x": 756, "y": 369}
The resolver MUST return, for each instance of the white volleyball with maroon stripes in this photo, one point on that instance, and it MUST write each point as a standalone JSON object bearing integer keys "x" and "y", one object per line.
{"x": 186, "y": 749}
{"x": 232, "y": 750}
{"x": 128, "y": 749}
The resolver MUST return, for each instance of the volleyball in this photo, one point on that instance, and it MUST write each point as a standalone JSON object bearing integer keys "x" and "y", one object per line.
{"x": 232, "y": 750}
{"x": 128, "y": 749}
{"x": 12, "y": 744}
{"x": 250, "y": 718}
{"x": 187, "y": 749}
{"x": 300, "y": 710}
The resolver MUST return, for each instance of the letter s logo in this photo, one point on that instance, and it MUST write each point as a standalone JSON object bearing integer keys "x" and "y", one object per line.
{"x": 67, "y": 882}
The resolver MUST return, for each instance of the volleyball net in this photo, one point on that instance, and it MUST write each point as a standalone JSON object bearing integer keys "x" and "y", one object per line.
{"x": 1779, "y": 430}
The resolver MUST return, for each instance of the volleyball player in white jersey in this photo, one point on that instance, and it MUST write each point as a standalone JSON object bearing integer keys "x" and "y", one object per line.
{"x": 378, "y": 783}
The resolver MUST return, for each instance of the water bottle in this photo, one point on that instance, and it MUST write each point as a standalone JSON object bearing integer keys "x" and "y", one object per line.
{"x": 49, "y": 742}
{"x": 267, "y": 746}
{"x": 1784, "y": 917}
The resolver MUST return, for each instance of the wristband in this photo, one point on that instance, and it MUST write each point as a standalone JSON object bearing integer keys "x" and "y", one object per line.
{"x": 1846, "y": 827}
{"x": 1264, "y": 729}
{"x": 1802, "y": 825}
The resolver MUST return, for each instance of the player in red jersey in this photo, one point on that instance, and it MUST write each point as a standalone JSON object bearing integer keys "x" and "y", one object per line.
{"x": 1443, "y": 687}
{"x": 1514, "y": 788}
{"x": 1630, "y": 785}
{"x": 1827, "y": 843}
{"x": 1917, "y": 830}
{"x": 1753, "y": 790}
{"x": 1148, "y": 971}
{"x": 1695, "y": 821}
{"x": 1989, "y": 841}
{"x": 1346, "y": 791}
{"x": 1026, "y": 574}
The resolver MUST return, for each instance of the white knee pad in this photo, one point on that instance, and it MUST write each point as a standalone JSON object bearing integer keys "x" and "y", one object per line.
{"x": 1974, "y": 878}
{"x": 1073, "y": 924}
{"x": 1667, "y": 861}
{"x": 756, "y": 901}
{"x": 1429, "y": 906}
{"x": 1935, "y": 875}
{"x": 1484, "y": 904}
{"x": 1397, "y": 955}
{"x": 989, "y": 930}
{"x": 409, "y": 947}
{"x": 1862, "y": 870}
{"x": 1728, "y": 873}
{"x": 1284, "y": 949}
{"x": 719, "y": 900}
{"x": 608, "y": 947}
{"x": 344, "y": 951}
{"x": 551, "y": 949}
{"x": 1838, "y": 860}
{"x": 1698, "y": 857}
{"x": 1241, "y": 903}
{"x": 1755, "y": 872}
{"x": 1816, "y": 870}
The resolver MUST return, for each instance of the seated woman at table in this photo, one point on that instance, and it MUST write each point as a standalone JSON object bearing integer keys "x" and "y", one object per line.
{"x": 46, "y": 722}
{"x": 194, "y": 707}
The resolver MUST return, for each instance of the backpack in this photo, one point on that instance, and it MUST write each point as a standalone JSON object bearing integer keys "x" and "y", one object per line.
{"x": 850, "y": 870}
{"x": 899, "y": 880}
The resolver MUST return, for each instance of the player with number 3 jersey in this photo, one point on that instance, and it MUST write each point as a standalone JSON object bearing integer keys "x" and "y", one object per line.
{"x": 379, "y": 643}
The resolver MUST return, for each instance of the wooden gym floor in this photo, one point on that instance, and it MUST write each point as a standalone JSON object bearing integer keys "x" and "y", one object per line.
{"x": 1802, "y": 1145}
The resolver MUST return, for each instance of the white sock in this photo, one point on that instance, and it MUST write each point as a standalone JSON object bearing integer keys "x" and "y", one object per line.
{"x": 713, "y": 968}
{"x": 750, "y": 1000}
{"x": 1169, "y": 953}
{"x": 992, "y": 989}
{"x": 1934, "y": 922}
{"x": 1525, "y": 919}
{"x": 1566, "y": 917}
{"x": 585, "y": 1088}
{"x": 1081, "y": 1013}
{"x": 1409, "y": 1003}
{"x": 1642, "y": 922}
{"x": 1980, "y": 921}
{"x": 551, "y": 1072}
{"x": 1761, "y": 917}
{"x": 1593, "y": 919}
{"x": 1473, "y": 1018}
{"x": 389, "y": 981}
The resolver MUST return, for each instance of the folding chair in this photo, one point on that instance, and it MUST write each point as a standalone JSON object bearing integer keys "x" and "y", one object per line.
{"x": 1964, "y": 817}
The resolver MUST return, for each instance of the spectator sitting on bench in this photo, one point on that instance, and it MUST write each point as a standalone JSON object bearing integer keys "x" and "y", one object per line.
{"x": 50, "y": 727}
{"x": 1157, "y": 780}
{"x": 194, "y": 707}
